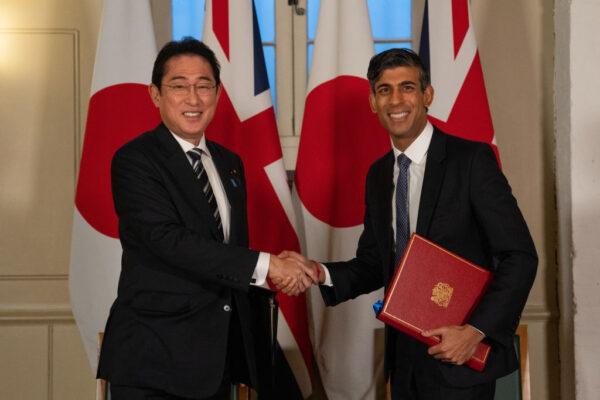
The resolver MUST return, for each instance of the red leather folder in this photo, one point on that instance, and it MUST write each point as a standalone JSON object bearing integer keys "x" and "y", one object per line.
{"x": 431, "y": 288}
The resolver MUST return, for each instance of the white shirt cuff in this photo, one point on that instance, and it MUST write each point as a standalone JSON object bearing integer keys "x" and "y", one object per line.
{"x": 327, "y": 277}
{"x": 478, "y": 330}
{"x": 259, "y": 276}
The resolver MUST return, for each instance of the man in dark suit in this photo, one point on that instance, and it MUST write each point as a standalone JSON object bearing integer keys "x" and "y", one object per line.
{"x": 452, "y": 192}
{"x": 181, "y": 326}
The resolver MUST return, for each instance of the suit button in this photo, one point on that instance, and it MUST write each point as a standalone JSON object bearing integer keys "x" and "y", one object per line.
{"x": 226, "y": 308}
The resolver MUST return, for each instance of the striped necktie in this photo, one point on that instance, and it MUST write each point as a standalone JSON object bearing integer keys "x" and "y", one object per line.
{"x": 202, "y": 177}
{"x": 402, "y": 217}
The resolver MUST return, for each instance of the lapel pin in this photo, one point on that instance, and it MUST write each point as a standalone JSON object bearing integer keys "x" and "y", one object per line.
{"x": 235, "y": 182}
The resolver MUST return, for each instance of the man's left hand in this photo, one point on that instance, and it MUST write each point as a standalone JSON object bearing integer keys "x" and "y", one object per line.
{"x": 458, "y": 343}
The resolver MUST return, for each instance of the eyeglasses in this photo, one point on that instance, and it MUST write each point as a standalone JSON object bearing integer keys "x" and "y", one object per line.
{"x": 182, "y": 89}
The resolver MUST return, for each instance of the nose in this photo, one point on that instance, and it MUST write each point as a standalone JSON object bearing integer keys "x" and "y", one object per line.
{"x": 397, "y": 96}
{"x": 192, "y": 97}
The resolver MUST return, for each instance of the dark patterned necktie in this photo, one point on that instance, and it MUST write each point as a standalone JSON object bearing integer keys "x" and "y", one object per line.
{"x": 196, "y": 156}
{"x": 402, "y": 217}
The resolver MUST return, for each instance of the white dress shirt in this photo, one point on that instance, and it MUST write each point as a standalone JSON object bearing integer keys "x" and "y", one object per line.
{"x": 417, "y": 153}
{"x": 262, "y": 265}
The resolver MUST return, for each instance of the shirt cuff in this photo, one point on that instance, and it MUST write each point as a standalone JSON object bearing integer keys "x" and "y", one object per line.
{"x": 259, "y": 276}
{"x": 478, "y": 330}
{"x": 327, "y": 277}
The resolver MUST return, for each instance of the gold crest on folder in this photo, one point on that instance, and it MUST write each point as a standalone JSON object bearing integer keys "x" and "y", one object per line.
{"x": 441, "y": 294}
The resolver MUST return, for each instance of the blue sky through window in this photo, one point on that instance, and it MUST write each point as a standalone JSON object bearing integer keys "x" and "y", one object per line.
{"x": 188, "y": 20}
{"x": 391, "y": 24}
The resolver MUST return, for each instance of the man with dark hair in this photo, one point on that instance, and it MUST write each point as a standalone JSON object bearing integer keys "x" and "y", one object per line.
{"x": 181, "y": 326}
{"x": 397, "y": 58}
{"x": 452, "y": 192}
{"x": 187, "y": 46}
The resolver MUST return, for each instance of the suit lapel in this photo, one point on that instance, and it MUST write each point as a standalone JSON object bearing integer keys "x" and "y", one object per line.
{"x": 183, "y": 175}
{"x": 432, "y": 182}
{"x": 383, "y": 220}
{"x": 230, "y": 178}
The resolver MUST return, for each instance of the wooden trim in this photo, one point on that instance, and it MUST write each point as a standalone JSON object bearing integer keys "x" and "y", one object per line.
{"x": 35, "y": 277}
{"x": 36, "y": 313}
{"x": 50, "y": 361}
{"x": 100, "y": 383}
{"x": 535, "y": 312}
{"x": 243, "y": 392}
{"x": 524, "y": 362}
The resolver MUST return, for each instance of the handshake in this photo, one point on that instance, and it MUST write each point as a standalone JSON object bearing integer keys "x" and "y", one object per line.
{"x": 293, "y": 273}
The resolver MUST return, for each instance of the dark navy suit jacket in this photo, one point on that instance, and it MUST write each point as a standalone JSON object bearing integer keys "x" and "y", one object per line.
{"x": 182, "y": 298}
{"x": 467, "y": 207}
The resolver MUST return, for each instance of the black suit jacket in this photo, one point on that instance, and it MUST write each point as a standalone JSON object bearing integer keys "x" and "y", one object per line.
{"x": 182, "y": 294}
{"x": 467, "y": 207}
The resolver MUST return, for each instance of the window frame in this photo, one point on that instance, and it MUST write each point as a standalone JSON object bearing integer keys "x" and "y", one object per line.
{"x": 291, "y": 71}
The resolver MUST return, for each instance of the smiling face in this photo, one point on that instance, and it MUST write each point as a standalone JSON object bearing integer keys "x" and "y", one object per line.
{"x": 186, "y": 113}
{"x": 401, "y": 104}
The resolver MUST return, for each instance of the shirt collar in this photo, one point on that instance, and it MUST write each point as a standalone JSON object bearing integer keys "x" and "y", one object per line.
{"x": 187, "y": 146}
{"x": 417, "y": 151}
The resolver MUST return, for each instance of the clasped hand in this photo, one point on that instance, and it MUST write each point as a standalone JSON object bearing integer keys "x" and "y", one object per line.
{"x": 293, "y": 273}
{"x": 457, "y": 343}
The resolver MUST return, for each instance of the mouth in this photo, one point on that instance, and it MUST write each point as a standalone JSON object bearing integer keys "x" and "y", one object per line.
{"x": 192, "y": 114}
{"x": 398, "y": 116}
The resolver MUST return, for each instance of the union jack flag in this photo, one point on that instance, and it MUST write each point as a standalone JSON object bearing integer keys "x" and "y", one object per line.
{"x": 449, "y": 50}
{"x": 245, "y": 123}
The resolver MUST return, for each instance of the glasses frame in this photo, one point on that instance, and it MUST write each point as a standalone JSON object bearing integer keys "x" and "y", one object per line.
{"x": 185, "y": 89}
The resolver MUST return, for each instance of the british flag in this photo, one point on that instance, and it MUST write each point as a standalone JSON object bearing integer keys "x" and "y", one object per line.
{"x": 449, "y": 50}
{"x": 245, "y": 123}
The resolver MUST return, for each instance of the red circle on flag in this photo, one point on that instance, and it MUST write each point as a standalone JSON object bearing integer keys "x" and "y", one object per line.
{"x": 116, "y": 115}
{"x": 341, "y": 138}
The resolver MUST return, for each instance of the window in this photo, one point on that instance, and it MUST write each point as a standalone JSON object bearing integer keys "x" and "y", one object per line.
{"x": 188, "y": 20}
{"x": 390, "y": 24}
{"x": 288, "y": 39}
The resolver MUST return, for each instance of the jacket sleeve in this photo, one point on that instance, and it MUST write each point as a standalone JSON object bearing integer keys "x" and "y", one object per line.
{"x": 513, "y": 252}
{"x": 364, "y": 273}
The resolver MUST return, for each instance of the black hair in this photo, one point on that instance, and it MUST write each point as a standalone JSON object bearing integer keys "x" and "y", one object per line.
{"x": 393, "y": 58}
{"x": 185, "y": 46}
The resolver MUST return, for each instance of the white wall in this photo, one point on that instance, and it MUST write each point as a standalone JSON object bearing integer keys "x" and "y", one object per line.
{"x": 578, "y": 189}
{"x": 47, "y": 53}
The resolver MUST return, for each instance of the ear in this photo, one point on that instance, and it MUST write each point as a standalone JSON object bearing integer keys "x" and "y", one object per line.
{"x": 154, "y": 93}
{"x": 372, "y": 103}
{"x": 428, "y": 96}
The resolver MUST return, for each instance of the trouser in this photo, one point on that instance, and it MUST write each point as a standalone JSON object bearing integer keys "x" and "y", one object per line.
{"x": 118, "y": 392}
{"x": 412, "y": 381}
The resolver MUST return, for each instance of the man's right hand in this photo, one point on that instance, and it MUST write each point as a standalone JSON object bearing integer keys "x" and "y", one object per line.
{"x": 314, "y": 265}
{"x": 290, "y": 275}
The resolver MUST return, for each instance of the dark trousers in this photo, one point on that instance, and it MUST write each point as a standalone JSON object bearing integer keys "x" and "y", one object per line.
{"x": 415, "y": 382}
{"x": 121, "y": 392}
{"x": 137, "y": 393}
{"x": 236, "y": 370}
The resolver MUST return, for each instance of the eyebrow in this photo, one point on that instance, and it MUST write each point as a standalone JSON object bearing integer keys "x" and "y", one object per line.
{"x": 403, "y": 83}
{"x": 201, "y": 78}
